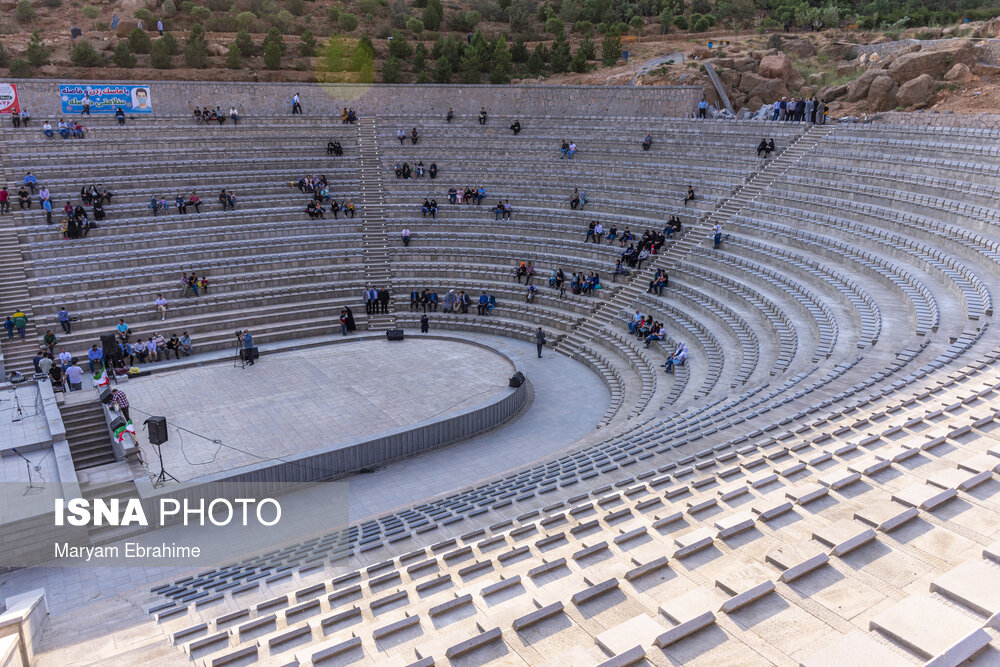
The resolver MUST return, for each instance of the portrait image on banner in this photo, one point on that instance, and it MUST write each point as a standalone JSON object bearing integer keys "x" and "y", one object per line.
{"x": 106, "y": 98}
{"x": 8, "y": 98}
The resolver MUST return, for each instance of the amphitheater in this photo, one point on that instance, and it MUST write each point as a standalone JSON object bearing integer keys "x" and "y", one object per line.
{"x": 817, "y": 485}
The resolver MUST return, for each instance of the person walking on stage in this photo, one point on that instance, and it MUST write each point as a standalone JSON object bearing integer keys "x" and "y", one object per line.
{"x": 539, "y": 341}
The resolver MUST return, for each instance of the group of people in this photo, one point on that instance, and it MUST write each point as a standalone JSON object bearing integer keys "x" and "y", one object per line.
{"x": 376, "y": 300}
{"x": 414, "y": 136}
{"x": 453, "y": 302}
{"x": 76, "y": 224}
{"x": 430, "y": 207}
{"x": 766, "y": 146}
{"x": 578, "y": 199}
{"x": 809, "y": 110}
{"x": 348, "y": 116}
{"x": 644, "y": 327}
{"x": 417, "y": 171}
{"x": 192, "y": 285}
{"x": 157, "y": 204}
{"x": 316, "y": 209}
{"x": 502, "y": 210}
{"x": 66, "y": 130}
{"x": 470, "y": 195}
{"x": 568, "y": 149}
{"x": 333, "y": 147}
{"x": 155, "y": 348}
{"x": 217, "y": 115}
{"x": 20, "y": 118}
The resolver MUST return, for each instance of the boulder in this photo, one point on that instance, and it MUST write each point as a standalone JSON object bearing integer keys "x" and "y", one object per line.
{"x": 778, "y": 66}
{"x": 832, "y": 92}
{"x": 802, "y": 48}
{"x": 807, "y": 91}
{"x": 744, "y": 64}
{"x": 217, "y": 50}
{"x": 858, "y": 89}
{"x": 700, "y": 53}
{"x": 815, "y": 79}
{"x": 990, "y": 29}
{"x": 882, "y": 93}
{"x": 749, "y": 81}
{"x": 754, "y": 103}
{"x": 770, "y": 89}
{"x": 933, "y": 62}
{"x": 959, "y": 73}
{"x": 846, "y": 69}
{"x": 124, "y": 29}
{"x": 916, "y": 92}
{"x": 729, "y": 77}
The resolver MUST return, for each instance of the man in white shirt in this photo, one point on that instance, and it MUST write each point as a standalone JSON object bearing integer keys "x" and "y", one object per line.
{"x": 635, "y": 321}
{"x": 65, "y": 358}
{"x": 296, "y": 107}
{"x": 598, "y": 232}
{"x": 74, "y": 375}
{"x": 47, "y": 130}
{"x": 401, "y": 136}
{"x": 406, "y": 236}
{"x": 161, "y": 305}
{"x": 572, "y": 149}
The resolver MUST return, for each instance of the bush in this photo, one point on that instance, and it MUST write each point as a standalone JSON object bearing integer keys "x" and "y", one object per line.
{"x": 246, "y": 20}
{"x": 560, "y": 55}
{"x": 123, "y": 56}
{"x": 424, "y": 77}
{"x": 274, "y": 37}
{"x": 187, "y": 6}
{"x": 554, "y": 26}
{"x": 433, "y": 13}
{"x": 196, "y": 49}
{"x": 637, "y": 24}
{"x": 701, "y": 25}
{"x": 464, "y": 21}
{"x": 284, "y": 19}
{"x": 711, "y": 19}
{"x": 159, "y": 57}
{"x": 138, "y": 41}
{"x": 666, "y": 20}
{"x": 173, "y": 48}
{"x": 416, "y": 26}
{"x": 21, "y": 69}
{"x": 200, "y": 13}
{"x": 245, "y": 44}
{"x": 347, "y": 22}
{"x": 701, "y": 6}
{"x": 224, "y": 23}
{"x": 588, "y": 50}
{"x": 296, "y": 7}
{"x": 37, "y": 54}
{"x": 585, "y": 28}
{"x": 24, "y": 12}
{"x": 3, "y": 56}
{"x": 611, "y": 49}
{"x": 681, "y": 22}
{"x": 391, "y": 72}
{"x": 308, "y": 46}
{"x": 83, "y": 54}
{"x": 91, "y": 12}
{"x": 220, "y": 5}
{"x": 147, "y": 18}
{"x": 579, "y": 64}
{"x": 272, "y": 56}
{"x": 234, "y": 59}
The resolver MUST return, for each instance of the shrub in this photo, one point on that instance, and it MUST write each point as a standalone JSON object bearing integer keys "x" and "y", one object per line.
{"x": 585, "y": 28}
{"x": 416, "y": 26}
{"x": 196, "y": 49}
{"x": 419, "y": 58}
{"x": 391, "y": 72}
{"x": 147, "y": 18}
{"x": 399, "y": 47}
{"x": 296, "y": 7}
{"x": 284, "y": 19}
{"x": 464, "y": 21}
{"x": 224, "y": 23}
{"x": 701, "y": 6}
{"x": 701, "y": 25}
{"x": 347, "y": 22}
{"x": 579, "y": 64}
{"x": 368, "y": 6}
{"x": 611, "y": 49}
{"x": 21, "y": 69}
{"x": 24, "y": 11}
{"x": 123, "y": 56}
{"x": 220, "y": 5}
{"x": 246, "y": 20}
{"x": 37, "y": 54}
{"x": 560, "y": 55}
{"x": 91, "y": 12}
{"x": 588, "y": 49}
{"x": 681, "y": 22}
{"x": 187, "y": 6}
{"x": 308, "y": 46}
{"x": 332, "y": 14}
{"x": 554, "y": 26}
{"x": 138, "y": 41}
{"x": 200, "y": 13}
{"x": 424, "y": 77}
{"x": 159, "y": 57}
{"x": 274, "y": 37}
{"x": 83, "y": 54}
{"x": 234, "y": 59}
{"x": 272, "y": 56}
{"x": 245, "y": 44}
{"x": 173, "y": 48}
{"x": 711, "y": 19}
{"x": 433, "y": 13}
{"x": 3, "y": 56}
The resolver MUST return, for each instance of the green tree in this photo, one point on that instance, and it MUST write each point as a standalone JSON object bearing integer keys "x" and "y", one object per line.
{"x": 399, "y": 47}
{"x": 433, "y": 14}
{"x": 274, "y": 37}
{"x": 24, "y": 12}
{"x": 84, "y": 54}
{"x": 611, "y": 49}
{"x": 21, "y": 69}
{"x": 391, "y": 72}
{"x": 197, "y": 13}
{"x": 502, "y": 65}
{"x": 159, "y": 56}
{"x": 443, "y": 71}
{"x": 554, "y": 26}
{"x": 416, "y": 26}
{"x": 138, "y": 41}
{"x": 272, "y": 56}
{"x": 196, "y": 49}
{"x": 169, "y": 8}
{"x": 588, "y": 50}
{"x": 579, "y": 64}
{"x": 585, "y": 28}
{"x": 560, "y": 55}
{"x": 419, "y": 58}
{"x": 681, "y": 22}
{"x": 308, "y": 46}
{"x": 123, "y": 56}
{"x": 347, "y": 22}
{"x": 701, "y": 25}
{"x": 244, "y": 42}
{"x": 37, "y": 54}
{"x": 470, "y": 71}
{"x": 535, "y": 64}
{"x": 234, "y": 59}
{"x": 519, "y": 52}
{"x": 173, "y": 48}
{"x": 666, "y": 20}
{"x": 637, "y": 24}
{"x": 3, "y": 56}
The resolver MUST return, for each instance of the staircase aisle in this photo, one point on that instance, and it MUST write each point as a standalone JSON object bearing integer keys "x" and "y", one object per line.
{"x": 87, "y": 433}
{"x": 375, "y": 236}
{"x": 693, "y": 235}
{"x": 14, "y": 290}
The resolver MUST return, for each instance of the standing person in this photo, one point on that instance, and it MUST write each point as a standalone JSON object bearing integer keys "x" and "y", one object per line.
{"x": 703, "y": 108}
{"x": 159, "y": 27}
{"x": 716, "y": 235}
{"x": 383, "y": 300}
{"x": 247, "y": 345}
{"x": 296, "y": 107}
{"x": 4, "y": 200}
{"x": 86, "y": 105}
{"x": 63, "y": 317}
{"x": 119, "y": 398}
{"x": 343, "y": 321}
{"x": 9, "y": 326}
{"x": 424, "y": 323}
{"x": 20, "y": 322}
{"x": 74, "y": 376}
{"x": 539, "y": 341}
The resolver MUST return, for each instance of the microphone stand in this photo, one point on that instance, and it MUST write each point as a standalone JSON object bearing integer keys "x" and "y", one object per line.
{"x": 31, "y": 482}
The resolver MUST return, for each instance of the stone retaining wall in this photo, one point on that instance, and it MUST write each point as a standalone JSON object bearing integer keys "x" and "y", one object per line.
{"x": 41, "y": 98}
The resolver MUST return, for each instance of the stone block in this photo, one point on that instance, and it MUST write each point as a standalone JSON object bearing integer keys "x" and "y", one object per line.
{"x": 803, "y": 494}
{"x": 685, "y": 629}
{"x": 923, "y": 496}
{"x": 974, "y": 584}
{"x": 844, "y": 536}
{"x": 957, "y": 478}
{"x": 640, "y": 630}
{"x": 885, "y": 515}
{"x": 856, "y": 648}
{"x": 797, "y": 559}
{"x": 734, "y": 523}
{"x": 932, "y": 629}
{"x": 693, "y": 541}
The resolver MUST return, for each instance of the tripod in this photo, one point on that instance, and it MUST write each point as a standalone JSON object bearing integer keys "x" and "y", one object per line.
{"x": 240, "y": 359}
{"x": 162, "y": 478}
{"x": 18, "y": 413}
{"x": 31, "y": 481}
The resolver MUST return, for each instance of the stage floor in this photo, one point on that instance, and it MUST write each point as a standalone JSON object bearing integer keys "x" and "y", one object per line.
{"x": 300, "y": 400}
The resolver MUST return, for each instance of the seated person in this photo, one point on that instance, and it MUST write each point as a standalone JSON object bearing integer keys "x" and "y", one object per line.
{"x": 450, "y": 114}
{"x": 647, "y": 142}
{"x": 491, "y": 305}
{"x": 98, "y": 210}
{"x": 770, "y": 145}
{"x": 574, "y": 199}
{"x": 655, "y": 334}
{"x": 47, "y": 130}
{"x": 337, "y": 148}
{"x": 516, "y": 127}
{"x": 419, "y": 168}
{"x": 433, "y": 171}
{"x": 181, "y": 204}
{"x": 348, "y": 208}
{"x": 235, "y": 115}
{"x": 452, "y": 194}
{"x": 399, "y": 170}
{"x": 335, "y": 209}
{"x": 689, "y": 196}
{"x": 314, "y": 209}
{"x": 197, "y": 115}
{"x": 428, "y": 208}
{"x": 762, "y": 148}
{"x": 63, "y": 129}
{"x": 498, "y": 210}
{"x": 329, "y": 147}
{"x": 406, "y": 170}
{"x": 414, "y": 136}
{"x": 482, "y": 115}
{"x": 195, "y": 201}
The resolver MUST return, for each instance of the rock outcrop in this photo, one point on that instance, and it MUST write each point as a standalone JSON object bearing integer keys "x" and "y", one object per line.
{"x": 916, "y": 92}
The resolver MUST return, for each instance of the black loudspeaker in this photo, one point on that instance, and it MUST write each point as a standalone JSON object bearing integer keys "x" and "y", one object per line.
{"x": 517, "y": 379}
{"x": 157, "y": 430}
{"x": 394, "y": 334}
{"x": 250, "y": 353}
{"x": 108, "y": 344}
{"x": 106, "y": 395}
{"x": 117, "y": 422}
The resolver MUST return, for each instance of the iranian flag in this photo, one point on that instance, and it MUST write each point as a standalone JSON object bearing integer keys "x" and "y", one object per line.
{"x": 101, "y": 377}
{"x": 122, "y": 430}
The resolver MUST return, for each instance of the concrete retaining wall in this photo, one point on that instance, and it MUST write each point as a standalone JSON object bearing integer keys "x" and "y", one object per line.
{"x": 41, "y": 98}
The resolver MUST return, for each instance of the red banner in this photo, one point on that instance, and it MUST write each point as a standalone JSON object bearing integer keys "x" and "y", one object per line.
{"x": 8, "y": 98}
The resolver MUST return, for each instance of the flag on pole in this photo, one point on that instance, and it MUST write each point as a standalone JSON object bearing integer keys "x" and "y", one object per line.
{"x": 101, "y": 377}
